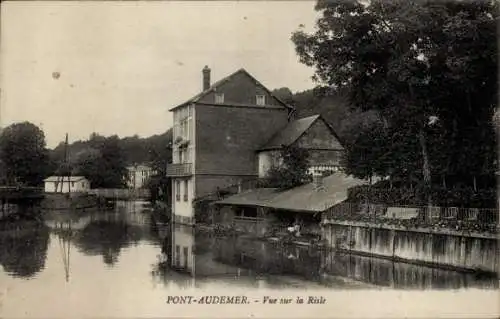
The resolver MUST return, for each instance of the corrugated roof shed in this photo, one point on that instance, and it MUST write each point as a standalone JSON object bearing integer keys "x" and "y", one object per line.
{"x": 306, "y": 198}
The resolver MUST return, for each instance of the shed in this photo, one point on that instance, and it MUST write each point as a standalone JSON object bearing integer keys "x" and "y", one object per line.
{"x": 66, "y": 184}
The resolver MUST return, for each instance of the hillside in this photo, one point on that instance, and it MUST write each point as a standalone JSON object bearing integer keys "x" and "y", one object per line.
{"x": 134, "y": 149}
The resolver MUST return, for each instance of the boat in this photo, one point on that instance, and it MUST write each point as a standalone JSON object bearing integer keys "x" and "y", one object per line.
{"x": 63, "y": 201}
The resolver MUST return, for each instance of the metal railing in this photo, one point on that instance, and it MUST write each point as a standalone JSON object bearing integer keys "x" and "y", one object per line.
{"x": 179, "y": 170}
{"x": 422, "y": 214}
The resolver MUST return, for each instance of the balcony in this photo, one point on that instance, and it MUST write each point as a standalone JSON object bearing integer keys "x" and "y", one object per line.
{"x": 179, "y": 170}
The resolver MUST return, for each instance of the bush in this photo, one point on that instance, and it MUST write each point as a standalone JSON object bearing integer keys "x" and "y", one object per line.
{"x": 292, "y": 172}
{"x": 202, "y": 211}
{"x": 454, "y": 197}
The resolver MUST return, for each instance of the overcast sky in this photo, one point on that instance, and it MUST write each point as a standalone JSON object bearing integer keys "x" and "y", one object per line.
{"x": 122, "y": 65}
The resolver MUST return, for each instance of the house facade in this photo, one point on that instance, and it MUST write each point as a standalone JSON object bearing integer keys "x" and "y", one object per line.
{"x": 312, "y": 133}
{"x": 66, "y": 184}
{"x": 138, "y": 175}
{"x": 215, "y": 136}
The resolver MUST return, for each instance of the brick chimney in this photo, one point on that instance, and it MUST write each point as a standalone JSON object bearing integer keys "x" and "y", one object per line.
{"x": 318, "y": 181}
{"x": 206, "y": 77}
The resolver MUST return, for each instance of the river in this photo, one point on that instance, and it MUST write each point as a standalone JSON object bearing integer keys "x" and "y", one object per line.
{"x": 118, "y": 263}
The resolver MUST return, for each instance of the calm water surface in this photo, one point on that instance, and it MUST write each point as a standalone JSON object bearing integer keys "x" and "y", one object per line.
{"x": 119, "y": 264}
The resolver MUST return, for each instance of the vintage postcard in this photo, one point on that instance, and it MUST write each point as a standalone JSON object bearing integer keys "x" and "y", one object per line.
{"x": 249, "y": 159}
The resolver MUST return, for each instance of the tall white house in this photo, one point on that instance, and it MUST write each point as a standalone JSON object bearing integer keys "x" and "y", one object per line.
{"x": 183, "y": 160}
{"x": 230, "y": 133}
{"x": 138, "y": 175}
{"x": 215, "y": 136}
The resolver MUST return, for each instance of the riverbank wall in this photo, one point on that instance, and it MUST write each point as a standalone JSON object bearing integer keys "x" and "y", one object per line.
{"x": 442, "y": 248}
{"x": 66, "y": 201}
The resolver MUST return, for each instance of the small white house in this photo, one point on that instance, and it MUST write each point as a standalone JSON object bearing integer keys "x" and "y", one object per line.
{"x": 66, "y": 184}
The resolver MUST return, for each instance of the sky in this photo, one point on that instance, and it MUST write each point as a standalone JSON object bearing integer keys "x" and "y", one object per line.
{"x": 118, "y": 67}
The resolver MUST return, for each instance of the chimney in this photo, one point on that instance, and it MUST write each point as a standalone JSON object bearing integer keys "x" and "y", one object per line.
{"x": 318, "y": 181}
{"x": 206, "y": 78}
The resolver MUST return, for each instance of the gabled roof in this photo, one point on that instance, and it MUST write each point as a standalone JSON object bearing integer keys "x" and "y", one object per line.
{"x": 228, "y": 78}
{"x": 305, "y": 198}
{"x": 65, "y": 178}
{"x": 293, "y": 131}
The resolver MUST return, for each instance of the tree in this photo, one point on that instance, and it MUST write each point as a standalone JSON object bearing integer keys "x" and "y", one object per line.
{"x": 413, "y": 61}
{"x": 292, "y": 170}
{"x": 159, "y": 148}
{"x": 113, "y": 162}
{"x": 364, "y": 156}
{"x": 104, "y": 165}
{"x": 88, "y": 165}
{"x": 23, "y": 154}
{"x": 160, "y": 156}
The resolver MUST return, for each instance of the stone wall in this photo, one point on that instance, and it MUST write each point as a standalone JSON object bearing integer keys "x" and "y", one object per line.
{"x": 448, "y": 249}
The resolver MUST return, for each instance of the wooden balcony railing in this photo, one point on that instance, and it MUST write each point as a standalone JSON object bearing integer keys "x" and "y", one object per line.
{"x": 179, "y": 170}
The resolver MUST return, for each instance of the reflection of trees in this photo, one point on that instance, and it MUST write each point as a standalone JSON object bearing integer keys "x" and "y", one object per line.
{"x": 23, "y": 253}
{"x": 107, "y": 238}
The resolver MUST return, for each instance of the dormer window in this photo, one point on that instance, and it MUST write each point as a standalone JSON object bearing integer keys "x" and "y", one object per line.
{"x": 219, "y": 98}
{"x": 261, "y": 99}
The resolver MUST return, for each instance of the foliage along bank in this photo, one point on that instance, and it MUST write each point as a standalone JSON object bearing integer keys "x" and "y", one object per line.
{"x": 427, "y": 72}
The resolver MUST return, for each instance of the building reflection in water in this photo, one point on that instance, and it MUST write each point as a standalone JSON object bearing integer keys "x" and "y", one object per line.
{"x": 183, "y": 247}
{"x": 258, "y": 264}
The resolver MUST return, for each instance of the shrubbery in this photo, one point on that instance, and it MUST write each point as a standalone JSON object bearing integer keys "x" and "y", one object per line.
{"x": 447, "y": 197}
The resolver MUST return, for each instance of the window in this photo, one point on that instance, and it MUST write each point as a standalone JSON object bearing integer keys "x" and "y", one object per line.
{"x": 261, "y": 99}
{"x": 72, "y": 184}
{"x": 83, "y": 184}
{"x": 219, "y": 98}
{"x": 178, "y": 190}
{"x": 246, "y": 212}
{"x": 186, "y": 190}
{"x": 181, "y": 155}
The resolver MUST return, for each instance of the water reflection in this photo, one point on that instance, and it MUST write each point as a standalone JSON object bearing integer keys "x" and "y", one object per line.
{"x": 254, "y": 263}
{"x": 385, "y": 273}
{"x": 179, "y": 256}
{"x": 105, "y": 233}
{"x": 106, "y": 238}
{"x": 23, "y": 252}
